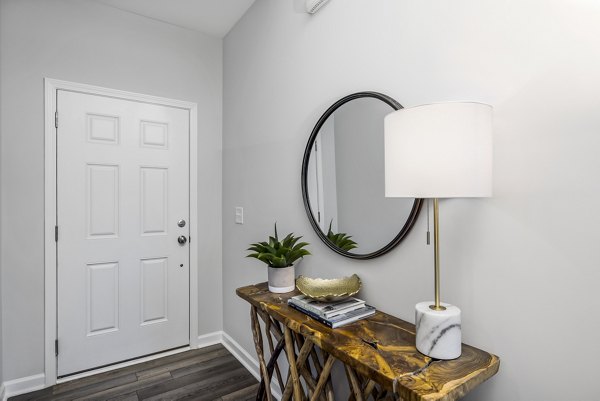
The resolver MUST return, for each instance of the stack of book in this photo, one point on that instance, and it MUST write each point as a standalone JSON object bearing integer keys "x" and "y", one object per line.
{"x": 333, "y": 314}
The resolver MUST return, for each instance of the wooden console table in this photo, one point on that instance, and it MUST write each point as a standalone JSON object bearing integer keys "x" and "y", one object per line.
{"x": 378, "y": 354}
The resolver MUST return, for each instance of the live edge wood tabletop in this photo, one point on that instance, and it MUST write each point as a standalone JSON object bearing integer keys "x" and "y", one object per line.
{"x": 378, "y": 353}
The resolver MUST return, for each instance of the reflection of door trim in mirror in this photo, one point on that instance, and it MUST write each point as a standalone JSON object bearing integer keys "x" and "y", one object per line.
{"x": 416, "y": 208}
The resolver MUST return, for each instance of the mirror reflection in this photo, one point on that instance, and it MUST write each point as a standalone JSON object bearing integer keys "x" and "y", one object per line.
{"x": 345, "y": 180}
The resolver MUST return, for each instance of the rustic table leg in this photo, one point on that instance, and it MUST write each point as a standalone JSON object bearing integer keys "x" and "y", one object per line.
{"x": 270, "y": 365}
{"x": 304, "y": 352}
{"x": 289, "y": 346}
{"x": 304, "y": 369}
{"x": 318, "y": 370}
{"x": 368, "y": 389}
{"x": 323, "y": 378}
{"x": 316, "y": 361}
{"x": 307, "y": 374}
{"x": 270, "y": 329}
{"x": 328, "y": 385}
{"x": 275, "y": 325}
{"x": 354, "y": 384}
{"x": 308, "y": 380}
{"x": 258, "y": 344}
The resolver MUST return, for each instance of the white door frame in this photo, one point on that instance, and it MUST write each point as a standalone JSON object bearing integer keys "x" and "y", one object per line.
{"x": 50, "y": 257}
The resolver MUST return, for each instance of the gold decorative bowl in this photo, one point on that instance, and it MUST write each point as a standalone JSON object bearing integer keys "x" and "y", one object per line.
{"x": 329, "y": 289}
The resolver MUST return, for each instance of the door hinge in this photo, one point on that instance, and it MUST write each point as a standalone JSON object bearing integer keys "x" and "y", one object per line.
{"x": 56, "y": 347}
{"x": 56, "y": 119}
{"x": 55, "y": 233}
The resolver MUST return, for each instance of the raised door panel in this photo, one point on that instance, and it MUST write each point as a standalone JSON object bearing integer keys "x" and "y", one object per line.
{"x": 102, "y": 201}
{"x": 102, "y": 298}
{"x": 153, "y": 193}
{"x": 154, "y": 134}
{"x": 102, "y": 129}
{"x": 154, "y": 286}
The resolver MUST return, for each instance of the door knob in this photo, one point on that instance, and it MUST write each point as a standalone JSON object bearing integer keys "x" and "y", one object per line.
{"x": 182, "y": 239}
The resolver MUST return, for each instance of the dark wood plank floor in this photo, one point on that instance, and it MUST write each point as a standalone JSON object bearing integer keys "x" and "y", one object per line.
{"x": 210, "y": 374}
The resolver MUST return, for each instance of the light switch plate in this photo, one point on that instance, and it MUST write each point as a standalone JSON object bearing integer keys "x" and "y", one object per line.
{"x": 239, "y": 215}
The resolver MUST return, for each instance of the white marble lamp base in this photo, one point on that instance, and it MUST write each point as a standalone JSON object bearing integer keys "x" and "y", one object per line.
{"x": 438, "y": 332}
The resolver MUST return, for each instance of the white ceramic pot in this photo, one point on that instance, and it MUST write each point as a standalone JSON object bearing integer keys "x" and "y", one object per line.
{"x": 282, "y": 279}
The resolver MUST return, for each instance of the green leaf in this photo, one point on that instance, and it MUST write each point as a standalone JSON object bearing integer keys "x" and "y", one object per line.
{"x": 277, "y": 253}
{"x": 300, "y": 245}
{"x": 341, "y": 240}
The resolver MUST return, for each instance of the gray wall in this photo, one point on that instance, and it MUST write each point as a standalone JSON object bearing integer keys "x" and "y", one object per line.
{"x": 522, "y": 265}
{"x": 329, "y": 180}
{"x": 1, "y": 225}
{"x": 90, "y": 43}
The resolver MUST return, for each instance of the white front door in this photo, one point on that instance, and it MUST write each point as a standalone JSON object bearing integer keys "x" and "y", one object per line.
{"x": 122, "y": 190}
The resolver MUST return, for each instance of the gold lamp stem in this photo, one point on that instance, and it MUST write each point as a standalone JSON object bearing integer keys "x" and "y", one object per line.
{"x": 436, "y": 250}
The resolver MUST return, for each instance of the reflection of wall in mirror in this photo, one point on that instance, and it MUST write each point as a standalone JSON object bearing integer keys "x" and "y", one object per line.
{"x": 330, "y": 197}
{"x": 363, "y": 210}
{"x": 321, "y": 178}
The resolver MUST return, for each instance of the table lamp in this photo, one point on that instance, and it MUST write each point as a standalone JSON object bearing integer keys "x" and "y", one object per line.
{"x": 441, "y": 150}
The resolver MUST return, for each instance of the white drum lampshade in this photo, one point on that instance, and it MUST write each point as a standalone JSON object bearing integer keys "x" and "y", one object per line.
{"x": 441, "y": 150}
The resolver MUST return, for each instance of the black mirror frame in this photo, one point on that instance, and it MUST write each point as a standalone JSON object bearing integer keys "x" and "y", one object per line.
{"x": 417, "y": 205}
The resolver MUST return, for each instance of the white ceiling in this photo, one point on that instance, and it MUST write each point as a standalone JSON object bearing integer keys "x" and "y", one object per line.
{"x": 213, "y": 17}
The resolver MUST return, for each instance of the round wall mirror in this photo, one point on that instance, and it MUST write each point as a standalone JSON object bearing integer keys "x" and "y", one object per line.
{"x": 343, "y": 180}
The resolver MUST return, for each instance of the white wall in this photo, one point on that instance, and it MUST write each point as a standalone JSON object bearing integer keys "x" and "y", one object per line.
{"x": 522, "y": 265}
{"x": 87, "y": 42}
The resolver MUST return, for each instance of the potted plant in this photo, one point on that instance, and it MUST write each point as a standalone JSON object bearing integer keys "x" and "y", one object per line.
{"x": 341, "y": 240}
{"x": 280, "y": 257}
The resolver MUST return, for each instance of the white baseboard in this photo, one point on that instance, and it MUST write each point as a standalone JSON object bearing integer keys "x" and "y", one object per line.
{"x": 241, "y": 355}
{"x": 213, "y": 338}
{"x": 247, "y": 360}
{"x": 23, "y": 385}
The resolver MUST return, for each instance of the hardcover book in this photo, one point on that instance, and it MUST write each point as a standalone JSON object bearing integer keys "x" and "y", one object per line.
{"x": 341, "y": 319}
{"x": 327, "y": 309}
